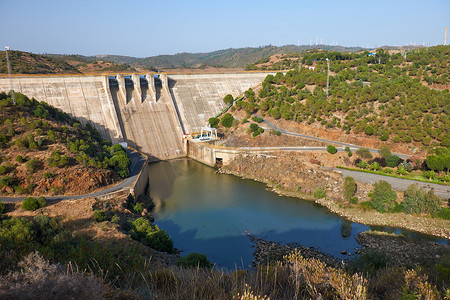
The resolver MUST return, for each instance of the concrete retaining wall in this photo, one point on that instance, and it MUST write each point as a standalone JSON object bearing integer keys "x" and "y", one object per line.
{"x": 210, "y": 155}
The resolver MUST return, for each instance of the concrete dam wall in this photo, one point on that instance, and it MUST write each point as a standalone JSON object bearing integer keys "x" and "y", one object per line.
{"x": 149, "y": 112}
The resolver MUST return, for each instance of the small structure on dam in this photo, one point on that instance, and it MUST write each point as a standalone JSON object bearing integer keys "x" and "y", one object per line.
{"x": 150, "y": 112}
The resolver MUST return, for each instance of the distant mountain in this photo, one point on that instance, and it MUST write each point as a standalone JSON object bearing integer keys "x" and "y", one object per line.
{"x": 231, "y": 58}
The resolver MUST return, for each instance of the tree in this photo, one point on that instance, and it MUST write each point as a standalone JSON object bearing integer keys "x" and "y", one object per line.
{"x": 417, "y": 201}
{"x": 383, "y": 196}
{"x": 214, "y": 122}
{"x": 349, "y": 188}
{"x": 368, "y": 130}
{"x": 228, "y": 99}
{"x": 331, "y": 149}
{"x": 227, "y": 120}
{"x": 435, "y": 163}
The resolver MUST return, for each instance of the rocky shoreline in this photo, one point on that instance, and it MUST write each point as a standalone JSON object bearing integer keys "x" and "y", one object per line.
{"x": 422, "y": 224}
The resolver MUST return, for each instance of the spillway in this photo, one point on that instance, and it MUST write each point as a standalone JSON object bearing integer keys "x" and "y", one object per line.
{"x": 150, "y": 112}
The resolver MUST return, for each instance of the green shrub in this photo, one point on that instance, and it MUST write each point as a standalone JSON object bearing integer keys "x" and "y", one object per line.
{"x": 20, "y": 159}
{"x": 319, "y": 193}
{"x": 384, "y": 151}
{"x": 214, "y": 122}
{"x": 30, "y": 203}
{"x": 3, "y": 169}
{"x": 151, "y": 235}
{"x": 354, "y": 200}
{"x": 444, "y": 213}
{"x": 138, "y": 208}
{"x": 41, "y": 201}
{"x": 227, "y": 120}
{"x": 392, "y": 160}
{"x": 331, "y": 149}
{"x": 194, "y": 260}
{"x": 32, "y": 165}
{"x": 2, "y": 207}
{"x": 257, "y": 119}
{"x": 363, "y": 164}
{"x": 228, "y": 99}
{"x": 6, "y": 181}
{"x": 253, "y": 127}
{"x": 115, "y": 219}
{"x": 383, "y": 196}
{"x": 100, "y": 215}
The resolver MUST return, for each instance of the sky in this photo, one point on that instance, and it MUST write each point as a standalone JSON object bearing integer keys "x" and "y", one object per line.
{"x": 143, "y": 28}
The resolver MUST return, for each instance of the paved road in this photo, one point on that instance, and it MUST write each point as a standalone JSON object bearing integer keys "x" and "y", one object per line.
{"x": 351, "y": 146}
{"x": 137, "y": 161}
{"x": 442, "y": 191}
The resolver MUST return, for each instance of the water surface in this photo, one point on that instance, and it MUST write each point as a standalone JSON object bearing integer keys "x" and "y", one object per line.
{"x": 212, "y": 213}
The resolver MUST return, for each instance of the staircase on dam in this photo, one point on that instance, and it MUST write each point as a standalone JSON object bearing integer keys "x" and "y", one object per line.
{"x": 150, "y": 112}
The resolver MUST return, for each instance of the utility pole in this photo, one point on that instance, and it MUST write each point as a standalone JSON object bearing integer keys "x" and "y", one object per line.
{"x": 328, "y": 74}
{"x": 445, "y": 36}
{"x": 10, "y": 79}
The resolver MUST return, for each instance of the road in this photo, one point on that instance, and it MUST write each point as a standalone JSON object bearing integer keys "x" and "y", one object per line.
{"x": 442, "y": 191}
{"x": 351, "y": 146}
{"x": 137, "y": 161}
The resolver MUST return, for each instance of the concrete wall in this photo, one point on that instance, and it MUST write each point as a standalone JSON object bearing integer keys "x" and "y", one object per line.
{"x": 207, "y": 154}
{"x": 153, "y": 123}
{"x": 200, "y": 97}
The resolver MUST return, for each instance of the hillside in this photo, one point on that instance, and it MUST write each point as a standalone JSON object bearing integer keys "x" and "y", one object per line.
{"x": 383, "y": 97}
{"x": 231, "y": 58}
{"x": 29, "y": 63}
{"x": 46, "y": 152}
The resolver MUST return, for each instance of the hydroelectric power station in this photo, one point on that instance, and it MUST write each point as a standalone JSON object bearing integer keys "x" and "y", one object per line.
{"x": 149, "y": 112}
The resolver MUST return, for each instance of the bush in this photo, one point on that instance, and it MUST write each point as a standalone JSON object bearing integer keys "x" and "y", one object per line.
{"x": 331, "y": 149}
{"x": 32, "y": 165}
{"x": 383, "y": 196}
{"x": 363, "y": 164}
{"x": 41, "y": 201}
{"x": 214, "y": 122}
{"x": 151, "y": 235}
{"x": 257, "y": 119}
{"x": 100, "y": 215}
{"x": 253, "y": 127}
{"x": 6, "y": 181}
{"x": 227, "y": 120}
{"x": 30, "y": 203}
{"x": 2, "y": 207}
{"x": 194, "y": 260}
{"x": 444, "y": 213}
{"x": 349, "y": 188}
{"x": 319, "y": 193}
{"x": 20, "y": 159}
{"x": 364, "y": 153}
{"x": 228, "y": 99}
{"x": 392, "y": 160}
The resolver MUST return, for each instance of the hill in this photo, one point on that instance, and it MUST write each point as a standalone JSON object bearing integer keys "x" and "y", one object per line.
{"x": 385, "y": 97}
{"x": 46, "y": 152}
{"x": 231, "y": 58}
{"x": 29, "y": 63}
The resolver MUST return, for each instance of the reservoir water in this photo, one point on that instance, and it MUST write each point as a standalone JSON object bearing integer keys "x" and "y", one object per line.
{"x": 212, "y": 213}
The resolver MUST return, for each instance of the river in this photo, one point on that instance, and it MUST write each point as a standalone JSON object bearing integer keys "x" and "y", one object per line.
{"x": 212, "y": 214}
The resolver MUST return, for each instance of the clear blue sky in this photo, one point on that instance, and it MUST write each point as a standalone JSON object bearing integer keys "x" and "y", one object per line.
{"x": 147, "y": 28}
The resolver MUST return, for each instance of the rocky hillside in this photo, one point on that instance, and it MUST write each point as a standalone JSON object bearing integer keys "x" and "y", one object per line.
{"x": 44, "y": 151}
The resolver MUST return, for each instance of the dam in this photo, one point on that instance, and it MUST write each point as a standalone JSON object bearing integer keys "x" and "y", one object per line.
{"x": 150, "y": 112}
